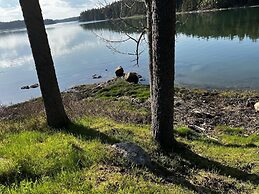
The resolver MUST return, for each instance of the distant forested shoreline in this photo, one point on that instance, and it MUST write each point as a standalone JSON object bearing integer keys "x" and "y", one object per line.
{"x": 20, "y": 23}
{"x": 128, "y": 8}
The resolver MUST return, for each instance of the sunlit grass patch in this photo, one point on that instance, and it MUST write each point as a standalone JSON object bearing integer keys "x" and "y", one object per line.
{"x": 122, "y": 88}
{"x": 245, "y": 158}
{"x": 29, "y": 124}
{"x": 229, "y": 130}
{"x": 99, "y": 179}
{"x": 37, "y": 154}
{"x": 109, "y": 180}
{"x": 237, "y": 140}
{"x": 184, "y": 131}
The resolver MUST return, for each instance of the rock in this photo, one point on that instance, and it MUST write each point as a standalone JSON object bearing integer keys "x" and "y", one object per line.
{"x": 200, "y": 114}
{"x": 25, "y": 87}
{"x": 132, "y": 77}
{"x": 256, "y": 106}
{"x": 133, "y": 153}
{"x": 178, "y": 103}
{"x": 96, "y": 76}
{"x": 34, "y": 86}
{"x": 140, "y": 76}
{"x": 119, "y": 71}
{"x": 250, "y": 102}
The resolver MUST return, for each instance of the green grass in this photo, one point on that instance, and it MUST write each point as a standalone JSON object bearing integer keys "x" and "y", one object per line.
{"x": 252, "y": 140}
{"x": 79, "y": 159}
{"x": 47, "y": 161}
{"x": 184, "y": 132}
{"x": 229, "y": 130}
{"x": 122, "y": 88}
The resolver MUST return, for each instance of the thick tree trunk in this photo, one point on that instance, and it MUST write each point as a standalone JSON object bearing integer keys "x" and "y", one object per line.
{"x": 56, "y": 116}
{"x": 163, "y": 38}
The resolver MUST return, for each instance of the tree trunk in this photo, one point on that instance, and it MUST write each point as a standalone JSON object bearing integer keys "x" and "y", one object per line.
{"x": 56, "y": 116}
{"x": 149, "y": 35}
{"x": 163, "y": 39}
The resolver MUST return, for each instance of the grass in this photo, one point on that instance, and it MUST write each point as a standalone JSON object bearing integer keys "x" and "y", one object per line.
{"x": 229, "y": 130}
{"x": 79, "y": 159}
{"x": 184, "y": 132}
{"x": 47, "y": 161}
{"x": 122, "y": 89}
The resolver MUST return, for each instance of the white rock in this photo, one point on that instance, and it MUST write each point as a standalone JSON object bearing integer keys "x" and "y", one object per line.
{"x": 256, "y": 107}
{"x": 133, "y": 153}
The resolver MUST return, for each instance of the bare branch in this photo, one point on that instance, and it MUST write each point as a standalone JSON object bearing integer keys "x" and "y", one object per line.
{"x": 118, "y": 51}
{"x": 110, "y": 41}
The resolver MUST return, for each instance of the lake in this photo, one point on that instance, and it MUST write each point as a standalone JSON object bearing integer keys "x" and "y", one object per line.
{"x": 213, "y": 50}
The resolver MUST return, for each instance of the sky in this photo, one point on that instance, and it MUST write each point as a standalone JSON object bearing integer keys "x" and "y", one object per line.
{"x": 52, "y": 9}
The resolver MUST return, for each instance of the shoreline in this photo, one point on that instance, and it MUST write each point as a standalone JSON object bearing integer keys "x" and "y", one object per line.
{"x": 230, "y": 90}
{"x": 130, "y": 103}
{"x": 215, "y": 10}
{"x": 243, "y": 90}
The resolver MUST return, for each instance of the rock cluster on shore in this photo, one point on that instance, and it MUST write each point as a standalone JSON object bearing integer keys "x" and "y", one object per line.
{"x": 33, "y": 86}
{"x": 131, "y": 77}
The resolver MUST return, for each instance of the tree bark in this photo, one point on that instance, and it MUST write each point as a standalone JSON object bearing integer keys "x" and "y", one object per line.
{"x": 163, "y": 45}
{"x": 56, "y": 116}
{"x": 149, "y": 35}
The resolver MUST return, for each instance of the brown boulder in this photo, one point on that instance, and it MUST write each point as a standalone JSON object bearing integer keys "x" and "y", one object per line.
{"x": 132, "y": 77}
{"x": 119, "y": 71}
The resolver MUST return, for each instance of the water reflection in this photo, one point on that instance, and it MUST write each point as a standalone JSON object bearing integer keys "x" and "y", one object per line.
{"x": 241, "y": 23}
{"x": 121, "y": 26}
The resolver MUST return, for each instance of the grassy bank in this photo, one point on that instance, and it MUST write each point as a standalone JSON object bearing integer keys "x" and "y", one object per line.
{"x": 80, "y": 159}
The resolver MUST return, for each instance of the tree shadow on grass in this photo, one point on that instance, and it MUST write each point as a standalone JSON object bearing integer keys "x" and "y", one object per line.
{"x": 75, "y": 129}
{"x": 189, "y": 160}
{"x": 174, "y": 178}
{"x": 201, "y": 162}
{"x": 88, "y": 133}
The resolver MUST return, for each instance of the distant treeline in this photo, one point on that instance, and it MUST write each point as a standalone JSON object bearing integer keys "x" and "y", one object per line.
{"x": 128, "y": 8}
{"x": 20, "y": 24}
{"x": 124, "y": 8}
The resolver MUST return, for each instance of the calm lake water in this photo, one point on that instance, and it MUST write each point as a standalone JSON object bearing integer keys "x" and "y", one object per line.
{"x": 213, "y": 50}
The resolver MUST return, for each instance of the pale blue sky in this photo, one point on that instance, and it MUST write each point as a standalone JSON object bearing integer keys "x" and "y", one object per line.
{"x": 52, "y": 9}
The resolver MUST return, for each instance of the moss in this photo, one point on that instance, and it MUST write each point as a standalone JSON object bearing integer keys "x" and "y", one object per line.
{"x": 122, "y": 88}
